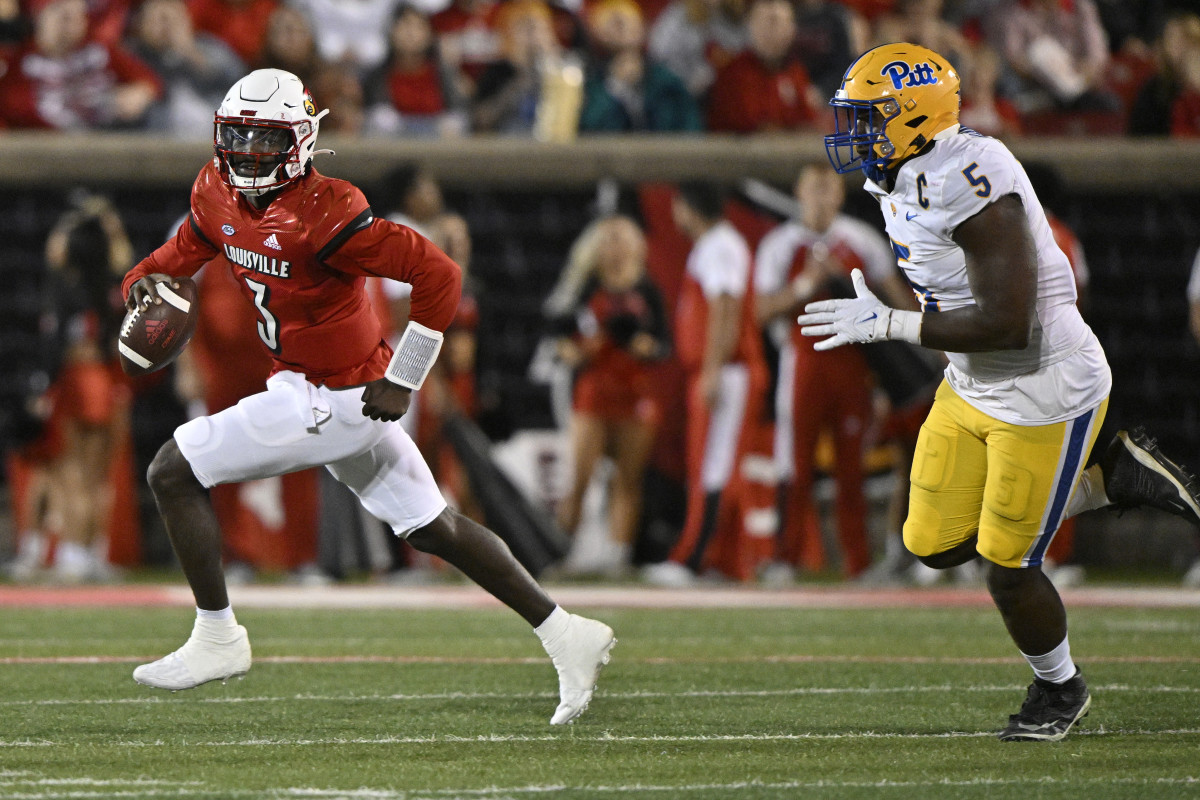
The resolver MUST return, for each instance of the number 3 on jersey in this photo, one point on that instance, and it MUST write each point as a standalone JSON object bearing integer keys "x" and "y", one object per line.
{"x": 268, "y": 327}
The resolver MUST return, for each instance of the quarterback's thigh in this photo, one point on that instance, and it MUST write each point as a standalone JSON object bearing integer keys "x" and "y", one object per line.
{"x": 272, "y": 433}
{"x": 948, "y": 474}
{"x": 393, "y": 482}
{"x": 1032, "y": 470}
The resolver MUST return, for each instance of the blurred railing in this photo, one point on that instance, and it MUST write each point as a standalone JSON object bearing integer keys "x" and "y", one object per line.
{"x": 46, "y": 160}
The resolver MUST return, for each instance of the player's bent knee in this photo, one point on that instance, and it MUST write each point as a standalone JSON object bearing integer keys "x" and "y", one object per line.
{"x": 1008, "y": 582}
{"x": 961, "y": 553}
{"x": 916, "y": 544}
{"x": 170, "y": 472}
{"x": 435, "y": 536}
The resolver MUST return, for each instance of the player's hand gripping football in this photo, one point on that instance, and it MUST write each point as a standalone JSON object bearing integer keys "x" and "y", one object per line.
{"x": 861, "y": 319}
{"x": 385, "y": 401}
{"x": 145, "y": 290}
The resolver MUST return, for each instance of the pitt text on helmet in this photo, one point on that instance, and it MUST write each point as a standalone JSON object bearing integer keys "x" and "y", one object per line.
{"x": 916, "y": 74}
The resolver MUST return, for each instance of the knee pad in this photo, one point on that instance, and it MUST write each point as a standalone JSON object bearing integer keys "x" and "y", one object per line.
{"x": 197, "y": 436}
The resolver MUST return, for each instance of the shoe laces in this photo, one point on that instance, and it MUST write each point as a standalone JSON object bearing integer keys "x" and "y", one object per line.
{"x": 1036, "y": 699}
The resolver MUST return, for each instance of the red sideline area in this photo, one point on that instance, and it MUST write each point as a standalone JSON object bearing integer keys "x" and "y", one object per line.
{"x": 622, "y": 596}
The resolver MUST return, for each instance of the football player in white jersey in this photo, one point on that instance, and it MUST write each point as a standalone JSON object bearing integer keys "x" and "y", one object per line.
{"x": 1000, "y": 459}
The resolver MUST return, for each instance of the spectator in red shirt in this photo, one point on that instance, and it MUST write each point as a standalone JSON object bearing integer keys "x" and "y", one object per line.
{"x": 695, "y": 38}
{"x": 765, "y": 88}
{"x": 61, "y": 79}
{"x": 240, "y": 23}
{"x": 467, "y": 35}
{"x": 415, "y": 92}
{"x": 618, "y": 331}
{"x": 75, "y": 482}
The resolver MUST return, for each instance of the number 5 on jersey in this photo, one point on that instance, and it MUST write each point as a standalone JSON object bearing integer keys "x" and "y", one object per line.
{"x": 268, "y": 326}
{"x": 985, "y": 186}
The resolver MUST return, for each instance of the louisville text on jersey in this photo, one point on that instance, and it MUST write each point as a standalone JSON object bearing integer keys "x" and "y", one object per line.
{"x": 258, "y": 262}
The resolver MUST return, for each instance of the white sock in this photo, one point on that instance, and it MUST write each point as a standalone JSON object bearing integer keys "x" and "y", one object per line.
{"x": 553, "y": 626}
{"x": 1055, "y": 666}
{"x": 32, "y": 548}
{"x": 1088, "y": 494}
{"x": 216, "y": 621}
{"x": 71, "y": 555}
{"x": 893, "y": 546}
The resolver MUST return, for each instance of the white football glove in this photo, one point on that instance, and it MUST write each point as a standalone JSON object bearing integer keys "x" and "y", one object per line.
{"x": 858, "y": 320}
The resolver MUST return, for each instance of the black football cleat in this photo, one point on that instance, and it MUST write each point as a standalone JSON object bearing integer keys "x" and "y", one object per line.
{"x": 1136, "y": 473}
{"x": 1049, "y": 711}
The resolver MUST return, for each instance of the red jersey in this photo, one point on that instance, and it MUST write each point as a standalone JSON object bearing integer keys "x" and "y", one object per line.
{"x": 471, "y": 34}
{"x": 303, "y": 262}
{"x": 615, "y": 384}
{"x": 1185, "y": 115}
{"x": 418, "y": 92}
{"x": 242, "y": 26}
{"x": 68, "y": 92}
{"x": 748, "y": 96}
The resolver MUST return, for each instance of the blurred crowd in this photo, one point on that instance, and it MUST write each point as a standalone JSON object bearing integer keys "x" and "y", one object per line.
{"x": 555, "y": 69}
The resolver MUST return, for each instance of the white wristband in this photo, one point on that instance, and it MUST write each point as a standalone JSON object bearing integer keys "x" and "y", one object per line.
{"x": 905, "y": 325}
{"x": 417, "y": 350}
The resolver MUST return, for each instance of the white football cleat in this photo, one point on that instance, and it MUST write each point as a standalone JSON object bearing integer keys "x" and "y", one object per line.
{"x": 578, "y": 655}
{"x": 200, "y": 660}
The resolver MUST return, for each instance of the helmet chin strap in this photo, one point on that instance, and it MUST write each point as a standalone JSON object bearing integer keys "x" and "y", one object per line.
{"x": 876, "y": 173}
{"x": 256, "y": 191}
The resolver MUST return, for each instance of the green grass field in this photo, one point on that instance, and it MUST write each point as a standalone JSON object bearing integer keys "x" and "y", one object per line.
{"x": 757, "y": 703}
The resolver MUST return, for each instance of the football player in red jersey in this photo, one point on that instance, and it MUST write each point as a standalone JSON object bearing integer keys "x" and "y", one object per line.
{"x": 302, "y": 246}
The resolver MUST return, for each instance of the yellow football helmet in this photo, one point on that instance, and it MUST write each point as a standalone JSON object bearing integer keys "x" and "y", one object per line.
{"x": 891, "y": 103}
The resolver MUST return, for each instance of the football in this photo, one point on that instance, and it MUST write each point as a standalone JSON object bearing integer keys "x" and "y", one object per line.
{"x": 152, "y": 338}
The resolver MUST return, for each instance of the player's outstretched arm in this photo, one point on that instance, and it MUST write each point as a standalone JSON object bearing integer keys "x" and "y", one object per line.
{"x": 1002, "y": 271}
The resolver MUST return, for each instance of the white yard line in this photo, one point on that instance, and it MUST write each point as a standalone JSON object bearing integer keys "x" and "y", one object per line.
{"x": 616, "y": 789}
{"x": 158, "y": 699}
{"x": 85, "y": 660}
{"x": 316, "y": 793}
{"x": 575, "y": 739}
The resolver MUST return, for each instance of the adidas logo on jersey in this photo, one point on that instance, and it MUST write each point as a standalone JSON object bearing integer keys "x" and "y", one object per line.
{"x": 272, "y": 242}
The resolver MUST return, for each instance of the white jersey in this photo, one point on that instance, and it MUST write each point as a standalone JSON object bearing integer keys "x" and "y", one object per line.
{"x": 720, "y": 262}
{"x": 1062, "y": 371}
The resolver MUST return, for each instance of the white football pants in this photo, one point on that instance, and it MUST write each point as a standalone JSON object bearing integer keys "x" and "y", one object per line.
{"x": 295, "y": 425}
